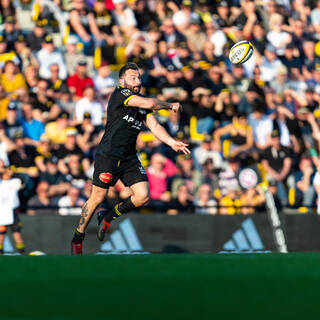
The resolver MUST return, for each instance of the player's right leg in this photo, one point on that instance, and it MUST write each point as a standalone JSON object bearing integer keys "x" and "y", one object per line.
{"x": 96, "y": 198}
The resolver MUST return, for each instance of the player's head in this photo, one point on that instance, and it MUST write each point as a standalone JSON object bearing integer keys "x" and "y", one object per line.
{"x": 129, "y": 77}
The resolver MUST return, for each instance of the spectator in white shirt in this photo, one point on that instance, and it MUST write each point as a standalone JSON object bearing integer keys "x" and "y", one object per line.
{"x": 48, "y": 56}
{"x": 123, "y": 15}
{"x": 270, "y": 64}
{"x": 261, "y": 126}
{"x": 205, "y": 204}
{"x": 71, "y": 203}
{"x": 89, "y": 104}
{"x": 103, "y": 80}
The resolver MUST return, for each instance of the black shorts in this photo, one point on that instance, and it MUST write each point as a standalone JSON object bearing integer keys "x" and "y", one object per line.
{"x": 107, "y": 171}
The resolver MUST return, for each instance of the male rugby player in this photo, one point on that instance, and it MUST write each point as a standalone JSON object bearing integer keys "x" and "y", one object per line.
{"x": 116, "y": 156}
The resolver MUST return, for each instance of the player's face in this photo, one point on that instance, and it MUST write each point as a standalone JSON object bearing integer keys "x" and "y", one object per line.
{"x": 132, "y": 80}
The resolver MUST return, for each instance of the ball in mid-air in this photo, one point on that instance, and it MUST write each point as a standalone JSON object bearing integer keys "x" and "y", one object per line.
{"x": 241, "y": 52}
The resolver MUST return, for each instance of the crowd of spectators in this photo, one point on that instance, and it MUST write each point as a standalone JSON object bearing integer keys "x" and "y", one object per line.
{"x": 249, "y": 126}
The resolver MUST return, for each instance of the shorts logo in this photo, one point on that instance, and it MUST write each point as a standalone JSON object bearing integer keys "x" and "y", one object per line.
{"x": 142, "y": 171}
{"x": 126, "y": 92}
{"x": 105, "y": 177}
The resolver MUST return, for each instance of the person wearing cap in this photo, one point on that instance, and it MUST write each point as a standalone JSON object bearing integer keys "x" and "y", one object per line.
{"x": 89, "y": 104}
{"x": 270, "y": 63}
{"x": 223, "y": 17}
{"x": 73, "y": 55}
{"x": 56, "y": 131}
{"x": 10, "y": 32}
{"x": 36, "y": 37}
{"x": 12, "y": 123}
{"x": 80, "y": 80}
{"x": 48, "y": 56}
{"x": 277, "y": 162}
{"x": 116, "y": 155}
{"x": 24, "y": 53}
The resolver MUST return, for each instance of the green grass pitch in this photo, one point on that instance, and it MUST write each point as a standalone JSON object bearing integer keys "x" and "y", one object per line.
{"x": 182, "y": 286}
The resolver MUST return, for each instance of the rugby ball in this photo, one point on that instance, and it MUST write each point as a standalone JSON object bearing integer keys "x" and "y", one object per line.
{"x": 241, "y": 52}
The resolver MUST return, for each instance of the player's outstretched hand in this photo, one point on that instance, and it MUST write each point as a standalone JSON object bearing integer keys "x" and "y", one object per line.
{"x": 176, "y": 106}
{"x": 180, "y": 146}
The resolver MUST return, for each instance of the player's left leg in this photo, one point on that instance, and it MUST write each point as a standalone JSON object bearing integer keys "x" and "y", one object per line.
{"x": 140, "y": 196}
{"x": 16, "y": 232}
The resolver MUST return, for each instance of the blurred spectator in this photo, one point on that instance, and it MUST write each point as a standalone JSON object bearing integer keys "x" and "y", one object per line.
{"x": 316, "y": 184}
{"x": 239, "y": 134}
{"x": 123, "y": 15}
{"x": 183, "y": 202}
{"x": 206, "y": 151}
{"x": 83, "y": 24}
{"x": 204, "y": 203}
{"x": 6, "y": 145}
{"x": 228, "y": 181}
{"x": 42, "y": 204}
{"x": 277, "y": 163}
{"x": 36, "y": 37}
{"x": 56, "y": 131}
{"x": 48, "y": 56}
{"x": 32, "y": 129}
{"x": 304, "y": 191}
{"x": 11, "y": 80}
{"x": 159, "y": 171}
{"x": 103, "y": 80}
{"x": 58, "y": 183}
{"x": 74, "y": 55}
{"x": 187, "y": 175}
{"x": 89, "y": 104}
{"x": 12, "y": 124}
{"x": 261, "y": 126}
{"x": 80, "y": 80}
{"x": 71, "y": 203}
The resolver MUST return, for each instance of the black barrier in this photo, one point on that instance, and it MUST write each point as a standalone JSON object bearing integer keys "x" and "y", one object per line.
{"x": 143, "y": 233}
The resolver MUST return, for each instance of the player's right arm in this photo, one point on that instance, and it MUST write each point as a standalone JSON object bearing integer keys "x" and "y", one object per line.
{"x": 153, "y": 104}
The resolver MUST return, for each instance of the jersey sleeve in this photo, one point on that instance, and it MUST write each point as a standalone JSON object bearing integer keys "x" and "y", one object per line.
{"x": 125, "y": 95}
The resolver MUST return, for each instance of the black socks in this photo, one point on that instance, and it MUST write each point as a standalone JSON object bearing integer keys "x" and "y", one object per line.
{"x": 119, "y": 209}
{"x": 78, "y": 237}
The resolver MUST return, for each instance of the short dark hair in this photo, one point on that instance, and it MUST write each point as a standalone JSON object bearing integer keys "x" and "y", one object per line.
{"x": 128, "y": 66}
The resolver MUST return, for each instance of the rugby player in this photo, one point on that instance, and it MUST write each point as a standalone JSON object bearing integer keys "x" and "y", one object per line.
{"x": 116, "y": 156}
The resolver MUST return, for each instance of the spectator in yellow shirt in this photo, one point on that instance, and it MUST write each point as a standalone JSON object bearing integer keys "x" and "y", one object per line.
{"x": 10, "y": 79}
{"x": 56, "y": 131}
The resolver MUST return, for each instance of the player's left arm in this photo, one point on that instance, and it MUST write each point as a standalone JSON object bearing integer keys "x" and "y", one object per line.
{"x": 160, "y": 132}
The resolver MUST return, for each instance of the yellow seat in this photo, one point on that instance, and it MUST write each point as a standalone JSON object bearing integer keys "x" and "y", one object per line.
{"x": 292, "y": 197}
{"x": 194, "y": 134}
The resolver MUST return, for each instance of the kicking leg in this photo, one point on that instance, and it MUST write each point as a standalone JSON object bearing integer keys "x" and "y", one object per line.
{"x": 139, "y": 197}
{"x": 97, "y": 196}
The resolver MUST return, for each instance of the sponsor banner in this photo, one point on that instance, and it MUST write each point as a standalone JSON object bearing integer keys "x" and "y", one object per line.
{"x": 156, "y": 233}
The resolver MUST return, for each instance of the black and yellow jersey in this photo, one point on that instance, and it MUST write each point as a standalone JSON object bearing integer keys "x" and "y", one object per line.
{"x": 123, "y": 125}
